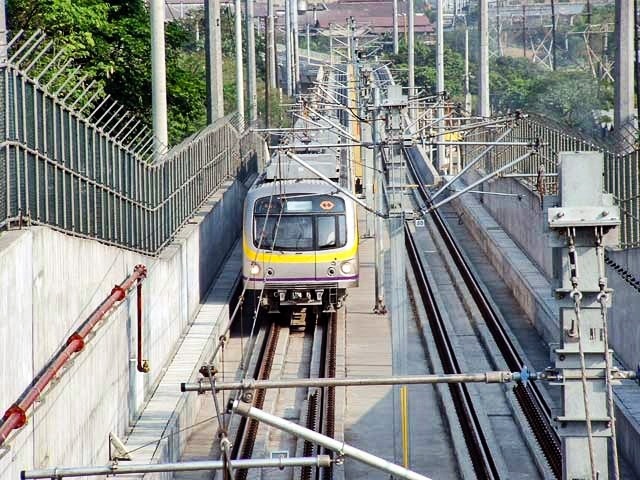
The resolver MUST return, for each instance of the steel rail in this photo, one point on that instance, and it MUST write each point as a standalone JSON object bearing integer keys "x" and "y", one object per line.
{"x": 537, "y": 412}
{"x": 477, "y": 444}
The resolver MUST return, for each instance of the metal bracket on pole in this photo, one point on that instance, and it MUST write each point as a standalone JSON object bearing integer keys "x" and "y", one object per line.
{"x": 582, "y": 225}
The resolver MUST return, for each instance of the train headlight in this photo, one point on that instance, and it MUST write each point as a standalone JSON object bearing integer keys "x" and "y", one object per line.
{"x": 254, "y": 269}
{"x": 346, "y": 267}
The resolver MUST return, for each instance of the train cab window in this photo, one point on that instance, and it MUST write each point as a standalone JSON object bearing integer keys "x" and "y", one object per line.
{"x": 285, "y": 232}
{"x": 332, "y": 231}
{"x": 326, "y": 231}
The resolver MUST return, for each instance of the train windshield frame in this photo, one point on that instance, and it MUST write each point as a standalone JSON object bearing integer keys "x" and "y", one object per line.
{"x": 300, "y": 223}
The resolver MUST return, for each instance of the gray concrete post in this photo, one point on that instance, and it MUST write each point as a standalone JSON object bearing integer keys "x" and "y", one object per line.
{"x": 288, "y": 49}
{"x": 295, "y": 44}
{"x": 440, "y": 80}
{"x": 395, "y": 27}
{"x": 584, "y": 223}
{"x": 239, "y": 63}
{"x": 3, "y": 32}
{"x": 483, "y": 76}
{"x": 623, "y": 84}
{"x": 252, "y": 91}
{"x": 411, "y": 59}
{"x": 158, "y": 79}
{"x": 467, "y": 90}
{"x": 271, "y": 45}
{"x": 213, "y": 57}
{"x": 376, "y": 133}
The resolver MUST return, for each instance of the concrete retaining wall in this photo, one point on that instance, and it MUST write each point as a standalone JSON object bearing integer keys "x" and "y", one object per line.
{"x": 521, "y": 216}
{"x": 54, "y": 282}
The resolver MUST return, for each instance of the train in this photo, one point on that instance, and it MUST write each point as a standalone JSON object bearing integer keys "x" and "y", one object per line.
{"x": 300, "y": 233}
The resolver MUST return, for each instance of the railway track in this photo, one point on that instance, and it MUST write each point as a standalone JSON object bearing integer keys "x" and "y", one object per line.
{"x": 291, "y": 354}
{"x": 534, "y": 407}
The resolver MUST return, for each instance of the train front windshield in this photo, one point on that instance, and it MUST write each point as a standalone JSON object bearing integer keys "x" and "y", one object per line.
{"x": 310, "y": 222}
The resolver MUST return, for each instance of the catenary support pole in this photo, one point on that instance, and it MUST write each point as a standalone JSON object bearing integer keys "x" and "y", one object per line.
{"x": 3, "y": 32}
{"x": 337, "y": 446}
{"x": 252, "y": 92}
{"x": 467, "y": 90}
{"x": 623, "y": 84}
{"x": 395, "y": 27}
{"x": 411, "y": 53}
{"x": 296, "y": 45}
{"x": 158, "y": 80}
{"x": 288, "y": 48}
{"x": 239, "y": 64}
{"x": 440, "y": 81}
{"x": 271, "y": 45}
{"x": 213, "y": 57}
{"x": 483, "y": 76}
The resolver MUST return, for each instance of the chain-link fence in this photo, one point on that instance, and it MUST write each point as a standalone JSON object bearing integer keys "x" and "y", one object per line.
{"x": 91, "y": 178}
{"x": 540, "y": 169}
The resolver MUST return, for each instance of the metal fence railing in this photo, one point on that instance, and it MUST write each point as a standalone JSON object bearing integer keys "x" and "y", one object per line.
{"x": 621, "y": 170}
{"x": 69, "y": 171}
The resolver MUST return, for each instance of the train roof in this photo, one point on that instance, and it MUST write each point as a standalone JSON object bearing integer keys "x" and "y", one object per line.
{"x": 283, "y": 167}
{"x": 292, "y": 186}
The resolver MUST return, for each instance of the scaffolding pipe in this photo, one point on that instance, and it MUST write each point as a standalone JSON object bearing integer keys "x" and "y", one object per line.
{"x": 204, "y": 385}
{"x": 322, "y": 461}
{"x": 16, "y": 415}
{"x": 342, "y": 448}
{"x": 482, "y": 180}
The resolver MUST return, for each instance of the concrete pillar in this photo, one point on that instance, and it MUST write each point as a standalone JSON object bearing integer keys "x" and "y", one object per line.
{"x": 411, "y": 63}
{"x": 239, "y": 63}
{"x": 288, "y": 45}
{"x": 158, "y": 80}
{"x": 3, "y": 32}
{"x": 395, "y": 27}
{"x": 440, "y": 78}
{"x": 295, "y": 44}
{"x": 483, "y": 74}
{"x": 252, "y": 92}
{"x": 271, "y": 45}
{"x": 623, "y": 85}
{"x": 213, "y": 57}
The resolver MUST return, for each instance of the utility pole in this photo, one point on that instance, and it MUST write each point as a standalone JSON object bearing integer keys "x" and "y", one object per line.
{"x": 3, "y": 32}
{"x": 213, "y": 57}
{"x": 308, "y": 44}
{"x": 271, "y": 46}
{"x": 554, "y": 64}
{"x": 378, "y": 201}
{"x": 239, "y": 64}
{"x": 524, "y": 30}
{"x": 251, "y": 63}
{"x": 623, "y": 79}
{"x": 483, "y": 77}
{"x": 158, "y": 80}
{"x": 288, "y": 49}
{"x": 440, "y": 80}
{"x": 583, "y": 362}
{"x": 637, "y": 56}
{"x": 395, "y": 27}
{"x": 267, "y": 84}
{"x": 296, "y": 45}
{"x": 467, "y": 90}
{"x": 411, "y": 66}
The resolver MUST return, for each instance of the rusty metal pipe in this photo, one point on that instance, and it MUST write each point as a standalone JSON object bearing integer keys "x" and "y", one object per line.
{"x": 143, "y": 365}
{"x": 16, "y": 415}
